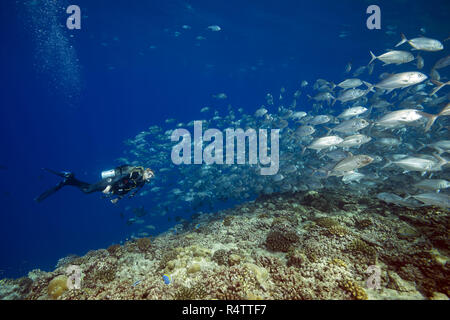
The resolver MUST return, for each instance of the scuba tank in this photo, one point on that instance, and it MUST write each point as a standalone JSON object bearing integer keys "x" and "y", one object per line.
{"x": 125, "y": 169}
{"x": 109, "y": 173}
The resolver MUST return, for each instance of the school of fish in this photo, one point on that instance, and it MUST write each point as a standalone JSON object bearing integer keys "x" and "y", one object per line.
{"x": 387, "y": 138}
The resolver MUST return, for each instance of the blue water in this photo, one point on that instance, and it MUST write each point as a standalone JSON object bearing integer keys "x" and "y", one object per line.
{"x": 71, "y": 109}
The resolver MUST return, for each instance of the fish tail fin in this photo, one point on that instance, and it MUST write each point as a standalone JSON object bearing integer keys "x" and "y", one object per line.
{"x": 389, "y": 162}
{"x": 315, "y": 170}
{"x": 369, "y": 87}
{"x": 334, "y": 101}
{"x": 431, "y": 119}
{"x": 422, "y": 146}
{"x": 332, "y": 86}
{"x": 369, "y": 128}
{"x": 328, "y": 131}
{"x": 373, "y": 57}
{"x": 436, "y": 82}
{"x": 303, "y": 150}
{"x": 309, "y": 97}
{"x": 445, "y": 108}
{"x": 369, "y": 111}
{"x": 402, "y": 41}
{"x": 442, "y": 161}
{"x": 439, "y": 86}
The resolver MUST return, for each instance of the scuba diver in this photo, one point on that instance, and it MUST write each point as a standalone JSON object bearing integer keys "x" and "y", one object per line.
{"x": 116, "y": 182}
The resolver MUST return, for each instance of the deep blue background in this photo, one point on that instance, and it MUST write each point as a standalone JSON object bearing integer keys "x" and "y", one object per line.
{"x": 126, "y": 86}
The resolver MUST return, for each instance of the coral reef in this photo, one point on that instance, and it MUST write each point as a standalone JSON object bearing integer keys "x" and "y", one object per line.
{"x": 283, "y": 246}
{"x": 282, "y": 236}
{"x": 194, "y": 293}
{"x": 57, "y": 286}
{"x": 353, "y": 289}
{"x": 114, "y": 249}
{"x": 143, "y": 244}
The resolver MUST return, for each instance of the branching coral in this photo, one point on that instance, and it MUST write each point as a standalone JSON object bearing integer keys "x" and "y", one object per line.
{"x": 326, "y": 222}
{"x": 360, "y": 246}
{"x": 227, "y": 221}
{"x": 279, "y": 241}
{"x": 143, "y": 244}
{"x": 221, "y": 257}
{"x": 234, "y": 283}
{"x": 192, "y": 293}
{"x": 355, "y": 291}
{"x": 114, "y": 249}
{"x": 363, "y": 224}
{"x": 281, "y": 237}
{"x": 168, "y": 256}
{"x": 296, "y": 258}
{"x": 338, "y": 262}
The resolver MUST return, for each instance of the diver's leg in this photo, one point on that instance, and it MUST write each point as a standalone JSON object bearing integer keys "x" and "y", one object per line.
{"x": 70, "y": 180}
{"x": 83, "y": 186}
{"x": 86, "y": 187}
{"x": 96, "y": 187}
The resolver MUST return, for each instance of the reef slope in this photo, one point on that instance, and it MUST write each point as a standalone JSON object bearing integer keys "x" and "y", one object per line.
{"x": 285, "y": 246}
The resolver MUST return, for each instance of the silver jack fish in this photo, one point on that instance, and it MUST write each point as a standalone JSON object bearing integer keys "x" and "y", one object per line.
{"x": 393, "y": 57}
{"x": 422, "y": 43}
{"x": 399, "y": 80}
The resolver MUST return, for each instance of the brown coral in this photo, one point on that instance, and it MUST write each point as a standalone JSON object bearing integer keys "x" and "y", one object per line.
{"x": 363, "y": 224}
{"x": 363, "y": 247}
{"x": 227, "y": 221}
{"x": 114, "y": 249}
{"x": 281, "y": 240}
{"x": 143, "y": 244}
{"x": 296, "y": 258}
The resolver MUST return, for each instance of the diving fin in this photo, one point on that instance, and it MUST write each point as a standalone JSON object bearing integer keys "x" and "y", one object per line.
{"x": 68, "y": 178}
{"x": 62, "y": 174}
{"x": 50, "y": 191}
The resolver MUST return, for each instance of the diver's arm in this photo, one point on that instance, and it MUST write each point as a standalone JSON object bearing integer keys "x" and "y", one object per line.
{"x": 106, "y": 185}
{"x": 107, "y": 189}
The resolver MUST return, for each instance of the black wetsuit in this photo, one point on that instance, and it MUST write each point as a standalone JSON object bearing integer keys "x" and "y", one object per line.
{"x": 121, "y": 183}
